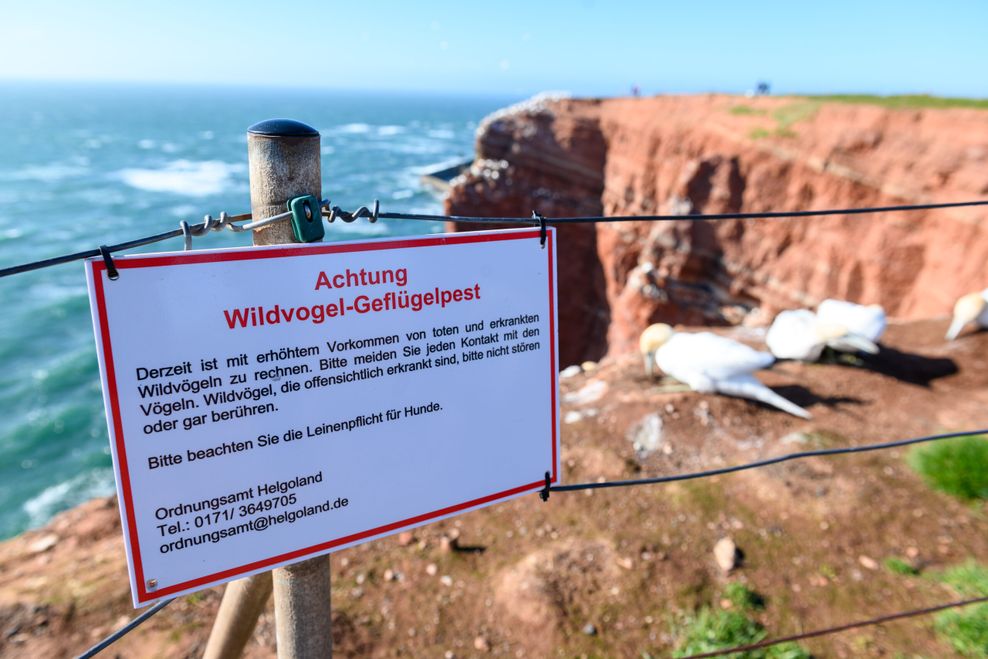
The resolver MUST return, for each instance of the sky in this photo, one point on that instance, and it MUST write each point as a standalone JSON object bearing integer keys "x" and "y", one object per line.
{"x": 586, "y": 47}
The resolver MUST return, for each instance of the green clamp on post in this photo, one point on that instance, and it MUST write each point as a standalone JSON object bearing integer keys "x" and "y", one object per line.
{"x": 306, "y": 219}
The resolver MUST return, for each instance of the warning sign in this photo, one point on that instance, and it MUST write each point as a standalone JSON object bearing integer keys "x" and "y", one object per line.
{"x": 267, "y": 405}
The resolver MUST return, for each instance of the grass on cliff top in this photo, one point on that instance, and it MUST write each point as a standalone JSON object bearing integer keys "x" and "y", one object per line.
{"x": 906, "y": 102}
{"x": 965, "y": 629}
{"x": 956, "y": 466}
{"x": 785, "y": 117}
{"x": 743, "y": 110}
{"x": 716, "y": 629}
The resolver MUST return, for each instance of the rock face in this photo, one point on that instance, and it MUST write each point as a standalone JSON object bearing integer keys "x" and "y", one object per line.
{"x": 710, "y": 154}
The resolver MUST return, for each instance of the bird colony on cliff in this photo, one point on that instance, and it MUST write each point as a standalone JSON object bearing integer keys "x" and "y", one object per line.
{"x": 708, "y": 363}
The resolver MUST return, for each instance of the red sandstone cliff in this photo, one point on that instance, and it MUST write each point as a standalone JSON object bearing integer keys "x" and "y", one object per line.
{"x": 708, "y": 154}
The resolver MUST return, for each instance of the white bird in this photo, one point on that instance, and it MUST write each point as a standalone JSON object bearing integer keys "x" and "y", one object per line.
{"x": 802, "y": 334}
{"x": 864, "y": 320}
{"x": 971, "y": 308}
{"x": 708, "y": 363}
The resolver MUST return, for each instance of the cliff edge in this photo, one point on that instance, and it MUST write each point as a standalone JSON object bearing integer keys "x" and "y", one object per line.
{"x": 713, "y": 154}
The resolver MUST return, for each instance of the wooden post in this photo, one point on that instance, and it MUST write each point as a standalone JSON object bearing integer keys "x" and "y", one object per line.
{"x": 243, "y": 602}
{"x": 283, "y": 156}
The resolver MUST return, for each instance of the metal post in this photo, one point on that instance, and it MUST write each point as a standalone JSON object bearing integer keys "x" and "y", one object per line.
{"x": 283, "y": 156}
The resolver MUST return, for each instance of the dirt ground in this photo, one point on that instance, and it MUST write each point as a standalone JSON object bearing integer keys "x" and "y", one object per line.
{"x": 608, "y": 572}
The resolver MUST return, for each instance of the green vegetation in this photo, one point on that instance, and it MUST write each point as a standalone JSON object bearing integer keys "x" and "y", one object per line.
{"x": 742, "y": 597}
{"x": 906, "y": 102}
{"x": 785, "y": 117}
{"x": 792, "y": 113}
{"x": 955, "y": 466}
{"x": 966, "y": 629}
{"x": 716, "y": 629}
{"x": 899, "y": 566}
{"x": 742, "y": 110}
{"x": 969, "y": 579}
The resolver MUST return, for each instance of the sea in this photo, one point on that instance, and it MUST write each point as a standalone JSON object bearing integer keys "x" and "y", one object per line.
{"x": 85, "y": 165}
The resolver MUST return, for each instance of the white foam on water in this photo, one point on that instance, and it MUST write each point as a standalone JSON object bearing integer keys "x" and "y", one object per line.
{"x": 353, "y": 129}
{"x": 146, "y": 144}
{"x": 51, "y": 500}
{"x": 390, "y": 130}
{"x": 417, "y": 148}
{"x": 185, "y": 177}
{"x": 442, "y": 133}
{"x": 185, "y": 211}
{"x": 45, "y": 173}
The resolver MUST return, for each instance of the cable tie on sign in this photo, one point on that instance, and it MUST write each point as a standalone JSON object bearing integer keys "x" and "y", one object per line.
{"x": 544, "y": 492}
{"x": 186, "y": 234}
{"x": 542, "y": 228}
{"x": 111, "y": 268}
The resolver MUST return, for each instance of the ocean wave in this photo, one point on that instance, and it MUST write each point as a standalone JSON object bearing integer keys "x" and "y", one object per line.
{"x": 64, "y": 495}
{"x": 441, "y": 133}
{"x": 185, "y": 177}
{"x": 390, "y": 130}
{"x": 185, "y": 211}
{"x": 351, "y": 129}
{"x": 420, "y": 147}
{"x": 45, "y": 173}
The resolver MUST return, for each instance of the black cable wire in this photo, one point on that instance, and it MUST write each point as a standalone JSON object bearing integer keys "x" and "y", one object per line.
{"x": 763, "y": 463}
{"x": 840, "y": 628}
{"x": 123, "y": 631}
{"x": 672, "y": 218}
{"x": 525, "y": 221}
{"x": 92, "y": 253}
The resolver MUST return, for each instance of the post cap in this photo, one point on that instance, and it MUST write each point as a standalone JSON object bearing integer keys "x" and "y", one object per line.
{"x": 282, "y": 128}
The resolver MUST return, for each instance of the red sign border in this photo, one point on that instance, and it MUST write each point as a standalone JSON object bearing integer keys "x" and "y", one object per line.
{"x": 98, "y": 266}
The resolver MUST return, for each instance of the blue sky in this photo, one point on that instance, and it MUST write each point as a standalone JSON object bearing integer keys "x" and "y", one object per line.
{"x": 514, "y": 47}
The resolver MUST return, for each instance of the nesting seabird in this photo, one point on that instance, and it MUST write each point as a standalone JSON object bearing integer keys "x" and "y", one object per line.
{"x": 864, "y": 320}
{"x": 803, "y": 335}
{"x": 972, "y": 308}
{"x": 708, "y": 363}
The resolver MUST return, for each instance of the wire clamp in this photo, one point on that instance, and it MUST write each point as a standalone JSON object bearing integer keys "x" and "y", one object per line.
{"x": 111, "y": 268}
{"x": 542, "y": 228}
{"x": 335, "y": 212}
{"x": 208, "y": 224}
{"x": 186, "y": 234}
{"x": 544, "y": 492}
{"x": 306, "y": 219}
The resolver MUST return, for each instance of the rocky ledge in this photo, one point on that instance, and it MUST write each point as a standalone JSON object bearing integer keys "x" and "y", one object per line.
{"x": 715, "y": 154}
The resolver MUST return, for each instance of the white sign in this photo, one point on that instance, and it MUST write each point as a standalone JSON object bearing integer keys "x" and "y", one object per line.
{"x": 267, "y": 405}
